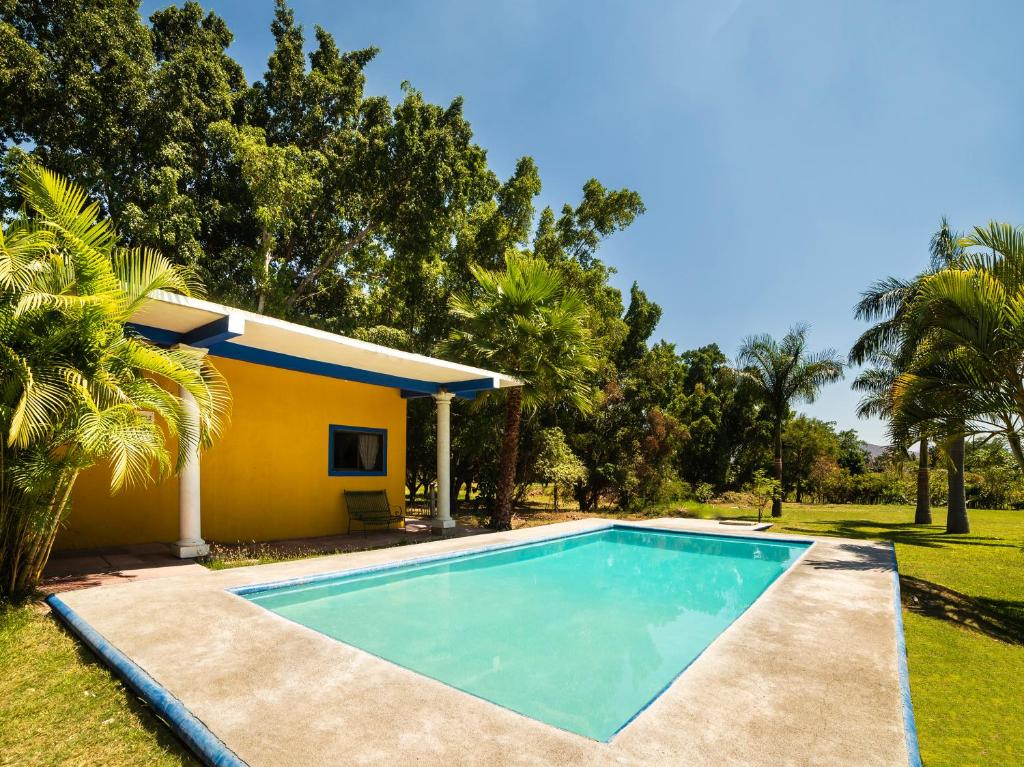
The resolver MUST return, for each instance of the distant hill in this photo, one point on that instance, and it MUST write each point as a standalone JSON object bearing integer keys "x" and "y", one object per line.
{"x": 873, "y": 450}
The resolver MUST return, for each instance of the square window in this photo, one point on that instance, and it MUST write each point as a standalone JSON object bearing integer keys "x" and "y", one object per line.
{"x": 357, "y": 451}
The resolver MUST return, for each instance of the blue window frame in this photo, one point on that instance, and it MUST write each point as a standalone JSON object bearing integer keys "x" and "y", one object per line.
{"x": 357, "y": 451}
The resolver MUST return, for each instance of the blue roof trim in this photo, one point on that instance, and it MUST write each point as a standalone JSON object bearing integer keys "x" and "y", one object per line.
{"x": 196, "y": 735}
{"x": 316, "y": 367}
{"x": 475, "y": 385}
{"x": 215, "y": 335}
{"x": 407, "y": 394}
{"x": 156, "y": 335}
{"x": 215, "y": 332}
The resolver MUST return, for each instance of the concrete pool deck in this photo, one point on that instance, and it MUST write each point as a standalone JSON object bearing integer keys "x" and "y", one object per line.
{"x": 809, "y": 675}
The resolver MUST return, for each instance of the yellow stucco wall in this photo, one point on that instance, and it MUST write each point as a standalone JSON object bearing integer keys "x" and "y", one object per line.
{"x": 266, "y": 477}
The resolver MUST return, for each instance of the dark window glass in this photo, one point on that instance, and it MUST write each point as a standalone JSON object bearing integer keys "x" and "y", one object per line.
{"x": 357, "y": 451}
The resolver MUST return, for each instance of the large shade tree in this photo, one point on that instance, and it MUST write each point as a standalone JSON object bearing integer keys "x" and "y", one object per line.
{"x": 785, "y": 373}
{"x": 76, "y": 387}
{"x": 304, "y": 194}
{"x": 524, "y": 321}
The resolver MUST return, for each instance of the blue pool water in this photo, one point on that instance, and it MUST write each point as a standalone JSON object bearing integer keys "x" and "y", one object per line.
{"x": 580, "y": 632}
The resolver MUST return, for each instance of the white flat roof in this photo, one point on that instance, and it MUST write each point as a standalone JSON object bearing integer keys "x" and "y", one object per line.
{"x": 229, "y": 332}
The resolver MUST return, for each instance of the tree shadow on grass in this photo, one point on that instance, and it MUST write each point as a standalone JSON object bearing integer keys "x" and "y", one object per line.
{"x": 1000, "y": 619}
{"x": 144, "y": 714}
{"x": 907, "y": 533}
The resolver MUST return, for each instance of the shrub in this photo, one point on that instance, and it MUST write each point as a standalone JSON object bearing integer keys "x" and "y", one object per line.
{"x": 704, "y": 492}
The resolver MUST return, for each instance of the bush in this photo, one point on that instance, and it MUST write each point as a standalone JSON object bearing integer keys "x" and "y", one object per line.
{"x": 881, "y": 487}
{"x": 704, "y": 492}
{"x": 734, "y": 498}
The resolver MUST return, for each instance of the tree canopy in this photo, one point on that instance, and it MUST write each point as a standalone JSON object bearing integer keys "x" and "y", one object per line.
{"x": 302, "y": 195}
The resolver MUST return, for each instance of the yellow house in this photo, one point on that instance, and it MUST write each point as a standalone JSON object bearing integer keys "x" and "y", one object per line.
{"x": 313, "y": 414}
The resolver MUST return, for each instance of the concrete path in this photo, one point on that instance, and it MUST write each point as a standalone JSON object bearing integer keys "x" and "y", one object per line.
{"x": 85, "y": 568}
{"x": 80, "y": 569}
{"x": 807, "y": 676}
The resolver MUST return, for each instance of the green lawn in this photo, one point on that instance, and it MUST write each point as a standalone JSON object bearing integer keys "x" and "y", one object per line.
{"x": 965, "y": 638}
{"x": 59, "y": 706}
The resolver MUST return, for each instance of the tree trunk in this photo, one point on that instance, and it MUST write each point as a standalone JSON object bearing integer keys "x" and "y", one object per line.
{"x": 584, "y": 494}
{"x": 777, "y": 502}
{"x": 28, "y": 528}
{"x": 266, "y": 245}
{"x": 326, "y": 263}
{"x": 556, "y": 497}
{"x": 501, "y": 518}
{"x": 799, "y": 495}
{"x": 923, "y": 515}
{"x": 1013, "y": 440}
{"x": 956, "y": 516}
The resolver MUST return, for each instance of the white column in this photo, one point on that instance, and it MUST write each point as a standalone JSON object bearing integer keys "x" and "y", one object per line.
{"x": 444, "y": 520}
{"x": 190, "y": 541}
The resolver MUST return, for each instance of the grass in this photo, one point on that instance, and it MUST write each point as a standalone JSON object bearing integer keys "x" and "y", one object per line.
{"x": 59, "y": 706}
{"x": 963, "y": 611}
{"x": 230, "y": 555}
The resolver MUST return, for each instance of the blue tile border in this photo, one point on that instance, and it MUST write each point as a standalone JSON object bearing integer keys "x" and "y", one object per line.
{"x": 196, "y": 735}
{"x": 336, "y": 574}
{"x": 909, "y": 725}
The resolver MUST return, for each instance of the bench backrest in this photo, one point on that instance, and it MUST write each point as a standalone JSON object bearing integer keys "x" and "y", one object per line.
{"x": 367, "y": 503}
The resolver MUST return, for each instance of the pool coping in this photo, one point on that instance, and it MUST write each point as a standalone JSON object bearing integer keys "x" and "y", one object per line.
{"x": 213, "y": 751}
{"x": 199, "y": 738}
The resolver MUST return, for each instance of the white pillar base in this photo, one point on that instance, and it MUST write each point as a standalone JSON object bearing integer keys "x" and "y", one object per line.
{"x": 440, "y": 525}
{"x": 190, "y": 549}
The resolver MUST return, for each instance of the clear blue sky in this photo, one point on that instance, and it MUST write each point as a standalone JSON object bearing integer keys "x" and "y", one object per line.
{"x": 788, "y": 153}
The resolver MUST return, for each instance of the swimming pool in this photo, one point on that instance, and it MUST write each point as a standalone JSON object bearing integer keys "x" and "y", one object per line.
{"x": 581, "y": 632}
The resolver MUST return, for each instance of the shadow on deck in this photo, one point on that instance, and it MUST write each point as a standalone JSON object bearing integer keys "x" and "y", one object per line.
{"x": 87, "y": 568}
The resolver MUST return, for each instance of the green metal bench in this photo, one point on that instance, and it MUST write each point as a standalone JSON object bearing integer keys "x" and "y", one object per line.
{"x": 371, "y": 507}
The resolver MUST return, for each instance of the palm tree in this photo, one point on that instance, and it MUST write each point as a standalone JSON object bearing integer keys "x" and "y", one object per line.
{"x": 525, "y": 322}
{"x": 785, "y": 373}
{"x": 77, "y": 388}
{"x": 967, "y": 371}
{"x": 885, "y": 345}
{"x": 888, "y": 346}
{"x": 977, "y": 308}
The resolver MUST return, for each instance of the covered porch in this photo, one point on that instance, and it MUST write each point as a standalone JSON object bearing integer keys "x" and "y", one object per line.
{"x": 274, "y": 442}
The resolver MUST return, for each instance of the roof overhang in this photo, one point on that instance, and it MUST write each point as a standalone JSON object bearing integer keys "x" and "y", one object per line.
{"x": 169, "y": 318}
